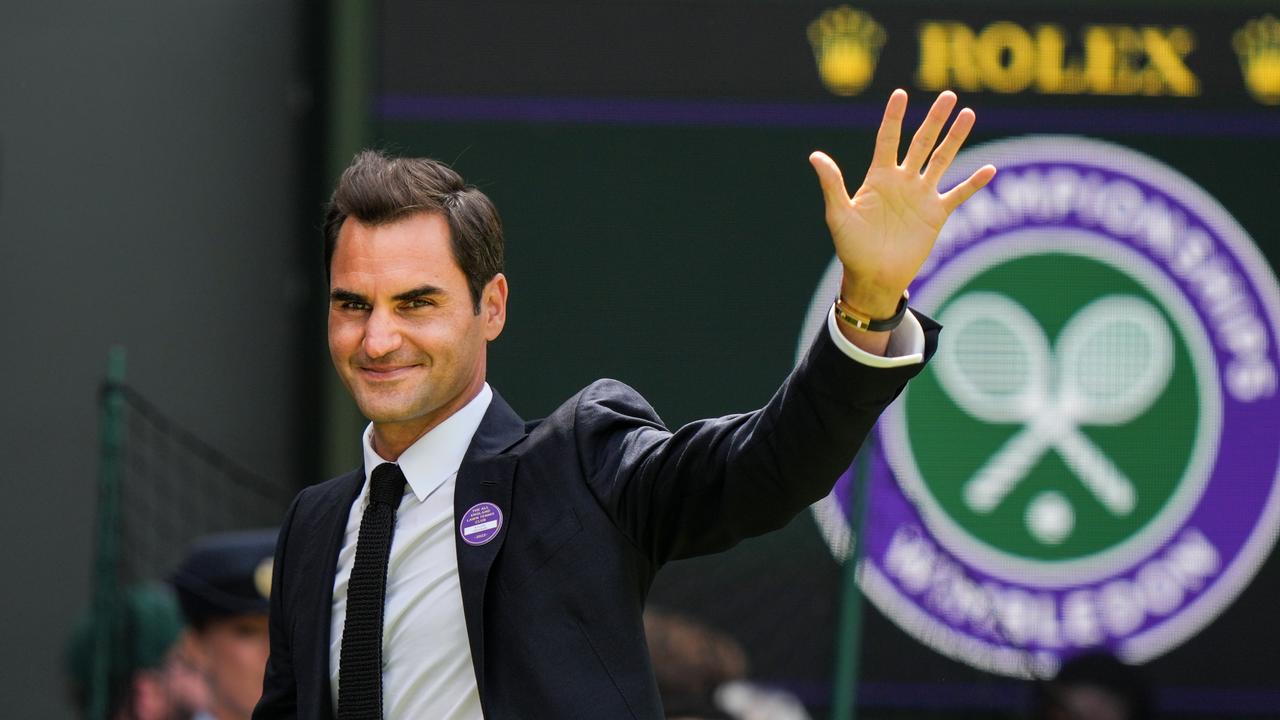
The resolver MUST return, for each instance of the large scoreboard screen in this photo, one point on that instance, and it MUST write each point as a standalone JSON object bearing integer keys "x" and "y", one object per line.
{"x": 1091, "y": 459}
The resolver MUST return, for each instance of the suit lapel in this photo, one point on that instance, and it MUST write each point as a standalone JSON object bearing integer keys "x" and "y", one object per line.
{"x": 485, "y": 476}
{"x": 331, "y": 527}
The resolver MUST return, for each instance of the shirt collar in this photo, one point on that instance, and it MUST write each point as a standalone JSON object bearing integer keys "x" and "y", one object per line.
{"x": 436, "y": 456}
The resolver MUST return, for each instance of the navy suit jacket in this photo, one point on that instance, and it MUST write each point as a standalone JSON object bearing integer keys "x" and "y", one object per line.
{"x": 595, "y": 498}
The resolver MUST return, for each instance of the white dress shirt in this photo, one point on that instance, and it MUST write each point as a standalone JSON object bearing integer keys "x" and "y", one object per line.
{"x": 906, "y": 343}
{"x": 426, "y": 656}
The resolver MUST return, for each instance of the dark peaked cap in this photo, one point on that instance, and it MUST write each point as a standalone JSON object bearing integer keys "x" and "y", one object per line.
{"x": 225, "y": 575}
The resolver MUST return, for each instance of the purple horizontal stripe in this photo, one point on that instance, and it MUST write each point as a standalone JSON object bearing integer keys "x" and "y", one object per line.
{"x": 1219, "y": 700}
{"x": 623, "y": 111}
{"x": 944, "y": 696}
{"x": 798, "y": 114}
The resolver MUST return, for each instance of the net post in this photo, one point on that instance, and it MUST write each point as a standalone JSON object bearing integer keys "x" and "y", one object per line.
{"x": 106, "y": 591}
{"x": 844, "y": 704}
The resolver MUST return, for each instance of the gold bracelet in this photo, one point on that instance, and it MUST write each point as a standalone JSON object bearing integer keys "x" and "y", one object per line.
{"x": 863, "y": 322}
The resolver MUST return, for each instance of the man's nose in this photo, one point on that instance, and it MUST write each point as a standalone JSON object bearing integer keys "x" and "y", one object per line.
{"x": 381, "y": 334}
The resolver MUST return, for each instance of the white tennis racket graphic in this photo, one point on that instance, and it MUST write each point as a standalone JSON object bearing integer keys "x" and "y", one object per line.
{"x": 1111, "y": 361}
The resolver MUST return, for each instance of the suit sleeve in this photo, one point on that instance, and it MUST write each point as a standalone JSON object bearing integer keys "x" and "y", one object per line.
{"x": 279, "y": 686}
{"x": 715, "y": 482}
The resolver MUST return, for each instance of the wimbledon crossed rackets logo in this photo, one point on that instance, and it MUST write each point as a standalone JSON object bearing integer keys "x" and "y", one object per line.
{"x": 1027, "y": 443}
{"x": 1089, "y": 458}
{"x": 1112, "y": 360}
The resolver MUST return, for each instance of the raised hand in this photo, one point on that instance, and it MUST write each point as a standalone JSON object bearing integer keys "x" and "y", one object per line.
{"x": 885, "y": 231}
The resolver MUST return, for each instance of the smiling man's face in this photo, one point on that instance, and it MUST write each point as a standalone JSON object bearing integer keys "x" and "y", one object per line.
{"x": 404, "y": 334}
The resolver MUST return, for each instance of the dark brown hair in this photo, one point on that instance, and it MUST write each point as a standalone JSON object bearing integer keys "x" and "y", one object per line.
{"x": 376, "y": 189}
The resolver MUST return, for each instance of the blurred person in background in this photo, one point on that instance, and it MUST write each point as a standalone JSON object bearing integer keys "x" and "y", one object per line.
{"x": 702, "y": 674}
{"x": 223, "y": 586}
{"x": 1094, "y": 686}
{"x": 150, "y": 677}
{"x": 690, "y": 660}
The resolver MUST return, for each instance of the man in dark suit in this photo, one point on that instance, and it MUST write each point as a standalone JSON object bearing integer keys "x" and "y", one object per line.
{"x": 509, "y": 581}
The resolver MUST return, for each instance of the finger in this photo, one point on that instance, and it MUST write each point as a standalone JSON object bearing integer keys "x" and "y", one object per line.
{"x": 890, "y": 133}
{"x": 833, "y": 189}
{"x": 929, "y": 130}
{"x": 958, "y": 194}
{"x": 951, "y": 144}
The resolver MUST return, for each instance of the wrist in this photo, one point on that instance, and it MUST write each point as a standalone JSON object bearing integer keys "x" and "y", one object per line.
{"x": 860, "y": 322}
{"x": 869, "y": 299}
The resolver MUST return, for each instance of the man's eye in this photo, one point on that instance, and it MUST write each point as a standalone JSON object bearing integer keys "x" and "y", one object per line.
{"x": 352, "y": 305}
{"x": 419, "y": 303}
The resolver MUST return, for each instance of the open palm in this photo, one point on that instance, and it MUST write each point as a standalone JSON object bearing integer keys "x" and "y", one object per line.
{"x": 885, "y": 231}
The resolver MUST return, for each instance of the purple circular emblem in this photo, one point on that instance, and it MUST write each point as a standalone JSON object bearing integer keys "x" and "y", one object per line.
{"x": 1090, "y": 459}
{"x": 481, "y": 523}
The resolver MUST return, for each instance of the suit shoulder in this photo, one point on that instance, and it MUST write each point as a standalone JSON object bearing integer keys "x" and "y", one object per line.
{"x": 604, "y": 409}
{"x": 602, "y": 395}
{"x": 608, "y": 398}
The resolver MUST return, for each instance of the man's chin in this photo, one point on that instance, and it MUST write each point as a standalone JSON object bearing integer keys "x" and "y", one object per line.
{"x": 384, "y": 404}
{"x": 386, "y": 410}
{"x": 386, "y": 416}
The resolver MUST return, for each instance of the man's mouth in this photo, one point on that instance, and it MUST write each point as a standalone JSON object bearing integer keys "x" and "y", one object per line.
{"x": 378, "y": 374}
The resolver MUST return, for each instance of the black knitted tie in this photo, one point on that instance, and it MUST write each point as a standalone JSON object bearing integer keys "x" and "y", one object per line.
{"x": 360, "y": 664}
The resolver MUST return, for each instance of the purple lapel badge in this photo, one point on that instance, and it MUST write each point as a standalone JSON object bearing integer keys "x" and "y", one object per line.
{"x": 481, "y": 523}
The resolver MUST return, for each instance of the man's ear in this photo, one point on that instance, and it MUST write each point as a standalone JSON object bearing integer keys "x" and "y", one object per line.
{"x": 493, "y": 306}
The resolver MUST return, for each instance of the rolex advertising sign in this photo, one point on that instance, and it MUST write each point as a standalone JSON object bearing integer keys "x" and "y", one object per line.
{"x": 1204, "y": 56}
{"x": 1091, "y": 457}
{"x": 1047, "y": 56}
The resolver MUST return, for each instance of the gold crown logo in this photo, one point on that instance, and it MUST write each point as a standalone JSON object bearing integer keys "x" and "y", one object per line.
{"x": 1258, "y": 45}
{"x": 846, "y": 45}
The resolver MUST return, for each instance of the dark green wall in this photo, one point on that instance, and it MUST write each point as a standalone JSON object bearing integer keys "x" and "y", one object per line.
{"x": 147, "y": 175}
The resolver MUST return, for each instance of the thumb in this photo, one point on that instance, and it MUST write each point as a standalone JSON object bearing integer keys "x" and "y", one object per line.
{"x": 832, "y": 181}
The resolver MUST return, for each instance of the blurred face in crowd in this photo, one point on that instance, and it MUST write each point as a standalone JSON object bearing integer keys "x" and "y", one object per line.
{"x": 404, "y": 333}
{"x": 233, "y": 657}
{"x": 174, "y": 691}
